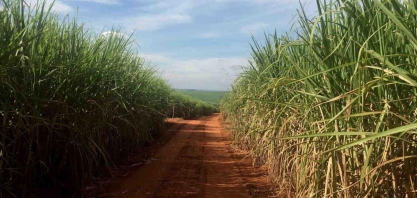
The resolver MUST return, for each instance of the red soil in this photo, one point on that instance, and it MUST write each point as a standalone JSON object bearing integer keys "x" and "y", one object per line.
{"x": 195, "y": 159}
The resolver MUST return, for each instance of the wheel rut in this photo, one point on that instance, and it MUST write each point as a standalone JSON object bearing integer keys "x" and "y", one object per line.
{"x": 198, "y": 161}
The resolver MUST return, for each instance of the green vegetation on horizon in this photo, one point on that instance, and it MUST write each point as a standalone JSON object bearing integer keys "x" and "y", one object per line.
{"x": 331, "y": 107}
{"x": 187, "y": 107}
{"x": 212, "y": 97}
{"x": 72, "y": 103}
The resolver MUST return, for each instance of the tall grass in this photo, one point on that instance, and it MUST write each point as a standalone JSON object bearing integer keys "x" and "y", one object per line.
{"x": 71, "y": 102}
{"x": 331, "y": 107}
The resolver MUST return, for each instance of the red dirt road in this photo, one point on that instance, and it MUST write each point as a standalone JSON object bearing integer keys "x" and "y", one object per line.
{"x": 198, "y": 161}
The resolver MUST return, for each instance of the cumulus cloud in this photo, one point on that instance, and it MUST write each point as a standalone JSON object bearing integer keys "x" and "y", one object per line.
{"x": 210, "y": 73}
{"x": 116, "y": 33}
{"x": 158, "y": 14}
{"x": 203, "y": 19}
{"x": 61, "y": 7}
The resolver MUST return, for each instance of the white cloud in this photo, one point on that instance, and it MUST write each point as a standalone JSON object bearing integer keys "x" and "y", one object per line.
{"x": 159, "y": 14}
{"x": 209, "y": 35}
{"x": 61, "y": 7}
{"x": 116, "y": 33}
{"x": 155, "y": 22}
{"x": 259, "y": 1}
{"x": 58, "y": 6}
{"x": 209, "y": 73}
{"x": 253, "y": 28}
{"x": 173, "y": 6}
{"x": 107, "y": 2}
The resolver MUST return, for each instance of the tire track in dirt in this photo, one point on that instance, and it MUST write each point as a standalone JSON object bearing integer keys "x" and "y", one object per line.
{"x": 187, "y": 173}
{"x": 197, "y": 162}
{"x": 144, "y": 181}
{"x": 230, "y": 173}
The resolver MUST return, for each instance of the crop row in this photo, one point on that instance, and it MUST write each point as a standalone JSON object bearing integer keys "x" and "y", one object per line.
{"x": 72, "y": 103}
{"x": 331, "y": 106}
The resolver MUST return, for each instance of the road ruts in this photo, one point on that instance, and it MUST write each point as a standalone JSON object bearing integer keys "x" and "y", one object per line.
{"x": 197, "y": 162}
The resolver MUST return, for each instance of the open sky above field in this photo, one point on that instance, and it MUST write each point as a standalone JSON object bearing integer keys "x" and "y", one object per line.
{"x": 195, "y": 44}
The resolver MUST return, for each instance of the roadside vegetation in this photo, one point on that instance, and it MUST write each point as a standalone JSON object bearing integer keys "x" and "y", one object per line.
{"x": 72, "y": 102}
{"x": 212, "y": 97}
{"x": 187, "y": 107}
{"x": 331, "y": 107}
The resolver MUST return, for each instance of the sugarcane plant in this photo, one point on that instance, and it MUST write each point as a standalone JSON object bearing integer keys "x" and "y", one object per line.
{"x": 331, "y": 106}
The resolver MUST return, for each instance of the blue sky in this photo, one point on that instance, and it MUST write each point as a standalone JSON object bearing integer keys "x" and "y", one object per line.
{"x": 195, "y": 44}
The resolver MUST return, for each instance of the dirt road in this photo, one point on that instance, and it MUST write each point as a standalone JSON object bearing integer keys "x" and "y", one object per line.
{"x": 196, "y": 161}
